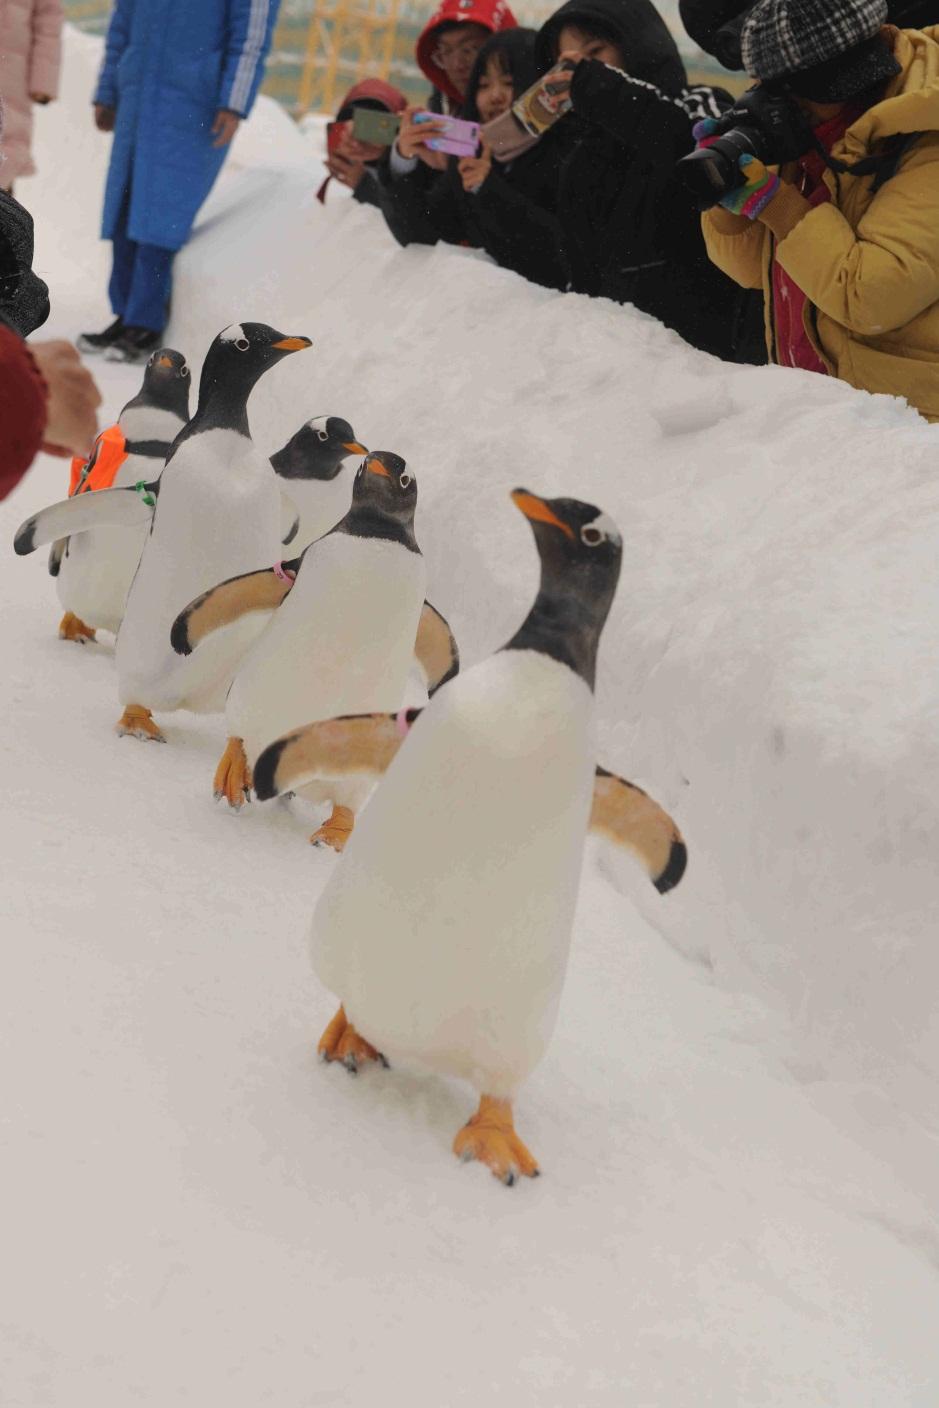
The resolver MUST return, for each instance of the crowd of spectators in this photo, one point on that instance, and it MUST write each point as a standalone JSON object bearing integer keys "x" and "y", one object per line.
{"x": 818, "y": 246}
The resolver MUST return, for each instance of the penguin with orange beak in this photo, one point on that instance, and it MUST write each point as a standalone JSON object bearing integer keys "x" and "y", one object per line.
{"x": 313, "y": 468}
{"x": 344, "y": 622}
{"x": 220, "y": 510}
{"x": 445, "y": 931}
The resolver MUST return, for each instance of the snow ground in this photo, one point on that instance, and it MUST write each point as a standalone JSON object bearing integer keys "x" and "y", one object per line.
{"x": 737, "y": 1118}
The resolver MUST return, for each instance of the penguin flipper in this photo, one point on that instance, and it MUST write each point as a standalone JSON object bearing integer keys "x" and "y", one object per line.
{"x": 229, "y": 601}
{"x": 362, "y": 744}
{"x": 116, "y": 508}
{"x": 56, "y": 554}
{"x": 436, "y": 649}
{"x": 631, "y": 818}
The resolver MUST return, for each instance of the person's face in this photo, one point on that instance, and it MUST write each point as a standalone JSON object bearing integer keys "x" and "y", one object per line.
{"x": 589, "y": 46}
{"x": 456, "y": 52}
{"x": 495, "y": 93}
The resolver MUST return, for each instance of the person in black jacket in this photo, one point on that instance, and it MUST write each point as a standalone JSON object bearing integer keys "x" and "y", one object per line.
{"x": 505, "y": 208}
{"x": 629, "y": 230}
{"x": 715, "y": 25}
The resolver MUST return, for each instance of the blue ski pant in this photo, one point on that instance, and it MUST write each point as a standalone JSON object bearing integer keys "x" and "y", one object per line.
{"x": 140, "y": 279}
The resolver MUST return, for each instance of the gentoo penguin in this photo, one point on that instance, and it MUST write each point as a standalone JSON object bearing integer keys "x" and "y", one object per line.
{"x": 219, "y": 512}
{"x": 311, "y": 465}
{"x": 445, "y": 930}
{"x": 343, "y": 622}
{"x": 94, "y": 570}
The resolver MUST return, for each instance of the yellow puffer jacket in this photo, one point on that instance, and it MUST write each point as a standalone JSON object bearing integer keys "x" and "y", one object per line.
{"x": 867, "y": 263}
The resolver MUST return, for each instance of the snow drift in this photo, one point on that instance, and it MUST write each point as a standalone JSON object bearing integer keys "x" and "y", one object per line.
{"x": 738, "y": 1115}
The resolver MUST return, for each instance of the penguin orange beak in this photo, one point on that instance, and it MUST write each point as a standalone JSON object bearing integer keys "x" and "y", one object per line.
{"x": 164, "y": 362}
{"x": 374, "y": 465}
{"x": 354, "y": 447}
{"x": 292, "y": 344}
{"x": 537, "y": 510}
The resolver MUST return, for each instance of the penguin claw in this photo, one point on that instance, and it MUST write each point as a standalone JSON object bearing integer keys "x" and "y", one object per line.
{"x": 490, "y": 1138}
{"x": 341, "y": 1042}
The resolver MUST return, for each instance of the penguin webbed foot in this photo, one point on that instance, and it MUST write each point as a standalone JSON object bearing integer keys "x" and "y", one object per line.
{"x": 233, "y": 776}
{"x": 137, "y": 722}
{"x": 341, "y": 1042}
{"x": 73, "y": 628}
{"x": 335, "y": 830}
{"x": 489, "y": 1138}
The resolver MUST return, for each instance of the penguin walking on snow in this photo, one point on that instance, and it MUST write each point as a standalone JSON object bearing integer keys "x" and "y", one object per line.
{"x": 344, "y": 621}
{"x": 219, "y": 511}
{"x": 312, "y": 465}
{"x": 94, "y": 569}
{"x": 445, "y": 931}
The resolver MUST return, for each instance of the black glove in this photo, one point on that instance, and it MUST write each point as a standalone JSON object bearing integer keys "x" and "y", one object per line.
{"x": 24, "y": 298}
{"x": 777, "y": 121}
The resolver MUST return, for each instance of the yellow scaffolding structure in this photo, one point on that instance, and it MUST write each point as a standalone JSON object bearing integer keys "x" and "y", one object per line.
{"x": 354, "y": 36}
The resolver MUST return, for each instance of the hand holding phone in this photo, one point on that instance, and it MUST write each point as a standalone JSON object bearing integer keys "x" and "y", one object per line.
{"x": 375, "y": 129}
{"x": 540, "y": 106}
{"x": 413, "y": 138}
{"x": 455, "y": 136}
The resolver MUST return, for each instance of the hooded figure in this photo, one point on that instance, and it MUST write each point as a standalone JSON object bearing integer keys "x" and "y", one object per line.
{"x": 510, "y": 213}
{"x": 354, "y": 163}
{"x": 30, "y": 56}
{"x": 490, "y": 15}
{"x": 845, "y": 241}
{"x": 629, "y": 230}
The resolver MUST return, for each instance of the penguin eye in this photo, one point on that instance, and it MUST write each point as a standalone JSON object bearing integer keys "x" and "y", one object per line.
{"x": 184, "y": 370}
{"x": 242, "y": 344}
{"x": 322, "y": 435}
{"x": 405, "y": 480}
{"x": 592, "y": 537}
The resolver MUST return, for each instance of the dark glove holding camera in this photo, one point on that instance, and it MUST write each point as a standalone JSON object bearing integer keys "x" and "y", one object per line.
{"x": 764, "y": 124}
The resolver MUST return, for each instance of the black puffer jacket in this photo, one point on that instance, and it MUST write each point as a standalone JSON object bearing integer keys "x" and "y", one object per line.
{"x": 715, "y": 25}
{"x": 512, "y": 215}
{"x": 630, "y": 231}
{"x": 24, "y": 298}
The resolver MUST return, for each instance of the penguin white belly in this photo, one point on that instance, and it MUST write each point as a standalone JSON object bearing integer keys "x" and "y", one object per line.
{"x": 340, "y": 643}
{"x": 320, "y": 503}
{"x": 217, "y": 516}
{"x": 445, "y": 929}
{"x": 99, "y": 566}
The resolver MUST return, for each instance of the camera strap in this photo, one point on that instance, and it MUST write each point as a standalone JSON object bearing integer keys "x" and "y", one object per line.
{"x": 882, "y": 166}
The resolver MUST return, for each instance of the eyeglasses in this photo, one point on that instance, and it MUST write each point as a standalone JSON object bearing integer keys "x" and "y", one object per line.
{"x": 468, "y": 48}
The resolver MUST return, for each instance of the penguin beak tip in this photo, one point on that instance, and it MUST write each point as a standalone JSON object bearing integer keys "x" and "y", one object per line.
{"x": 292, "y": 344}
{"x": 354, "y": 448}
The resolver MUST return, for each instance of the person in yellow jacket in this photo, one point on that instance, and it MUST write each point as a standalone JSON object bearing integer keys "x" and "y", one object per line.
{"x": 844, "y": 240}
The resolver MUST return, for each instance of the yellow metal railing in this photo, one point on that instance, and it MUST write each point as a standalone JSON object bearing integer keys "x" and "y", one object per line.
{"x": 347, "y": 40}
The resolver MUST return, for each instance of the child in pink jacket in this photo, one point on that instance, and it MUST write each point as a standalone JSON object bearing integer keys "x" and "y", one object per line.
{"x": 30, "y": 49}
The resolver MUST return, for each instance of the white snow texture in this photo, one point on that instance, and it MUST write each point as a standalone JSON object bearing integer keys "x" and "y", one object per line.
{"x": 737, "y": 1116}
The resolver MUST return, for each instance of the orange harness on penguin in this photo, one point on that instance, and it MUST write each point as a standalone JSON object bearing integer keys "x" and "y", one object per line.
{"x": 99, "y": 469}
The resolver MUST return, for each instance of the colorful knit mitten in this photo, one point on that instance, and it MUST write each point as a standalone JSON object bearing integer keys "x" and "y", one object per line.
{"x": 760, "y": 184}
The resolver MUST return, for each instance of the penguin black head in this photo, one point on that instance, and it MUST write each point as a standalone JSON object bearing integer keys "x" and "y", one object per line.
{"x": 166, "y": 382}
{"x": 237, "y": 359}
{"x": 317, "y": 450}
{"x": 581, "y": 553}
{"x": 384, "y": 497}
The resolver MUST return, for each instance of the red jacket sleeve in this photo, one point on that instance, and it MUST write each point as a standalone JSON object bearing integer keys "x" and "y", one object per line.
{"x": 22, "y": 410}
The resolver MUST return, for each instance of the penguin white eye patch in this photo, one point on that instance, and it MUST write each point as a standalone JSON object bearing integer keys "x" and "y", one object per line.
{"x": 405, "y": 480}
{"x": 600, "y": 530}
{"x": 235, "y": 334}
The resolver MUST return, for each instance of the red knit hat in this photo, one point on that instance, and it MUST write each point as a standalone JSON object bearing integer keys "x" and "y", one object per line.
{"x": 491, "y": 14}
{"x": 374, "y": 90}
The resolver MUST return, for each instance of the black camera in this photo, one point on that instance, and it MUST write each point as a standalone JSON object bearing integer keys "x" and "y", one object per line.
{"x": 762, "y": 123}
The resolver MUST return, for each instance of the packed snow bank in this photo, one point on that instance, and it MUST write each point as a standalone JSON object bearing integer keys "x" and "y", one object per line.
{"x": 769, "y": 666}
{"x": 738, "y": 1201}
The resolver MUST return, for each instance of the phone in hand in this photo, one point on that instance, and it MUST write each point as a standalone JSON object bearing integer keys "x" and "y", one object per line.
{"x": 378, "y": 129}
{"x": 539, "y": 107}
{"x": 459, "y": 137}
{"x": 335, "y": 132}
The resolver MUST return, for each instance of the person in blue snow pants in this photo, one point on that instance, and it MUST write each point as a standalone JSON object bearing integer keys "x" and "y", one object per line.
{"x": 178, "y": 77}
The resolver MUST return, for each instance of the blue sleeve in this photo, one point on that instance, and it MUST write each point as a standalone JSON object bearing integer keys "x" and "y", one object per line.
{"x": 250, "y": 30}
{"x": 114, "y": 46}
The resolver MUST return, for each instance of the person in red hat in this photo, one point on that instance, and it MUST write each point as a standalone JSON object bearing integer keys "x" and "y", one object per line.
{"x": 351, "y": 162}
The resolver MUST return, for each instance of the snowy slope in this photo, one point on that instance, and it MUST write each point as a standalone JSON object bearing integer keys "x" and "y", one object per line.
{"x": 737, "y": 1117}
